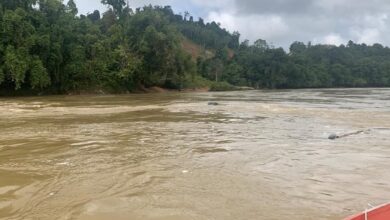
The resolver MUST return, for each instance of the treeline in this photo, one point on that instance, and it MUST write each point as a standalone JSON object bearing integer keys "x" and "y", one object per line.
{"x": 45, "y": 46}
{"x": 309, "y": 66}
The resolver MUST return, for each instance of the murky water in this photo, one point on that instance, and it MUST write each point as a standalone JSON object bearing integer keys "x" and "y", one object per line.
{"x": 258, "y": 155}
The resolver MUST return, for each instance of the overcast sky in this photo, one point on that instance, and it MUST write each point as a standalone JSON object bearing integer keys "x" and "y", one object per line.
{"x": 283, "y": 21}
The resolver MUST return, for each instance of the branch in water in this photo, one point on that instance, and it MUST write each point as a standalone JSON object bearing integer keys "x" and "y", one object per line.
{"x": 335, "y": 136}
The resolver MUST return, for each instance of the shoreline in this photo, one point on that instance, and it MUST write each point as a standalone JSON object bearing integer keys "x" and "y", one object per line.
{"x": 151, "y": 90}
{"x": 160, "y": 90}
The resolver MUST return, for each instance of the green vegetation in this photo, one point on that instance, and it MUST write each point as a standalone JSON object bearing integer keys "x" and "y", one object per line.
{"x": 45, "y": 46}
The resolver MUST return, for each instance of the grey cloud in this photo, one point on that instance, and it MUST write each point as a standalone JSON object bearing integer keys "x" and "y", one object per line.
{"x": 312, "y": 7}
{"x": 320, "y": 21}
{"x": 285, "y": 21}
{"x": 273, "y": 6}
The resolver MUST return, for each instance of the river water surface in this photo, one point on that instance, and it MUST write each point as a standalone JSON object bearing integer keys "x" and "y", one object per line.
{"x": 257, "y": 155}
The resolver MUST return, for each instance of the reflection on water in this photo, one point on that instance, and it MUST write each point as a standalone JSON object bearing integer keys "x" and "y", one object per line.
{"x": 257, "y": 155}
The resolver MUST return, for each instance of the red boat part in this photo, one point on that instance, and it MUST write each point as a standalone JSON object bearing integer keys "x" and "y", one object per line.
{"x": 378, "y": 213}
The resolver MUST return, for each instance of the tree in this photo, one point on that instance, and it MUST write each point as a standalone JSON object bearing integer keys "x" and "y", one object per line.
{"x": 72, "y": 8}
{"x": 95, "y": 16}
{"x": 14, "y": 4}
{"x": 297, "y": 48}
{"x": 108, "y": 20}
{"x": 261, "y": 45}
{"x": 233, "y": 74}
{"x": 39, "y": 75}
{"x": 44, "y": 45}
{"x": 222, "y": 54}
{"x": 16, "y": 65}
{"x": 117, "y": 5}
{"x": 186, "y": 15}
{"x": 235, "y": 41}
{"x": 201, "y": 22}
{"x": 1, "y": 76}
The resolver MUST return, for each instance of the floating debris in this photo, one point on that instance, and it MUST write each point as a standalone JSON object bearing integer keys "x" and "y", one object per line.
{"x": 335, "y": 136}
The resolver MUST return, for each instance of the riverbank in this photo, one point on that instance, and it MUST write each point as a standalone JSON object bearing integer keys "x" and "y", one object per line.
{"x": 155, "y": 89}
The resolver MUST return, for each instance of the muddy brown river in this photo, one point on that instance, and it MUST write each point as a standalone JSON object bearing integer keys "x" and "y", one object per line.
{"x": 257, "y": 155}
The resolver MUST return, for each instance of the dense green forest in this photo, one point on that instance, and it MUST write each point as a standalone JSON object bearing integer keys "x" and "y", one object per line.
{"x": 47, "y": 47}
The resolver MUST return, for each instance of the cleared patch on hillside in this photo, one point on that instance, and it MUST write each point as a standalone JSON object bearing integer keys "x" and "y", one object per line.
{"x": 195, "y": 50}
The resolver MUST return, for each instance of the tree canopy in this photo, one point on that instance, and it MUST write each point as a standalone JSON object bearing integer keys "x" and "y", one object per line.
{"x": 46, "y": 46}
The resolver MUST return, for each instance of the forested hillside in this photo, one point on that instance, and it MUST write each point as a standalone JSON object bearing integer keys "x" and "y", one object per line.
{"x": 47, "y": 47}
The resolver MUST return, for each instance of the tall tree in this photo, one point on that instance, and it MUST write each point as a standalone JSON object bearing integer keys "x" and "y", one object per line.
{"x": 117, "y": 5}
{"x": 71, "y": 7}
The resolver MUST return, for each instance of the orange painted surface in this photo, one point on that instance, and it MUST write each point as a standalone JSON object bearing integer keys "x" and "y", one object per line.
{"x": 379, "y": 213}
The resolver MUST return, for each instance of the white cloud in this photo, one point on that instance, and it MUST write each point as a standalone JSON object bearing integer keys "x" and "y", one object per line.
{"x": 368, "y": 36}
{"x": 370, "y": 29}
{"x": 253, "y": 27}
{"x": 333, "y": 39}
